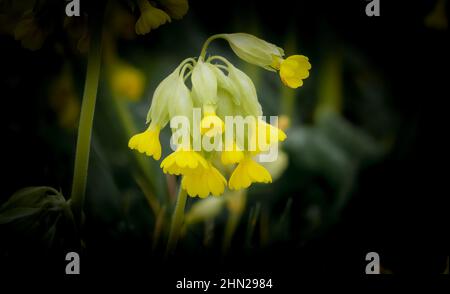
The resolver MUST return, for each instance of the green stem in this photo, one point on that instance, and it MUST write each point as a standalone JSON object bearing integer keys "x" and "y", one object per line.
{"x": 177, "y": 221}
{"x": 206, "y": 44}
{"x": 86, "y": 121}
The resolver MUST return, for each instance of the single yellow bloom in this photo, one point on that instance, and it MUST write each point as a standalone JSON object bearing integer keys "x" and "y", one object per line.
{"x": 211, "y": 125}
{"x": 247, "y": 172}
{"x": 203, "y": 182}
{"x": 234, "y": 155}
{"x": 183, "y": 161}
{"x": 147, "y": 142}
{"x": 293, "y": 70}
{"x": 151, "y": 18}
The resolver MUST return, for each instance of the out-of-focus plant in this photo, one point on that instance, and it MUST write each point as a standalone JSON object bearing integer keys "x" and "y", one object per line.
{"x": 437, "y": 18}
{"x": 32, "y": 23}
{"x": 64, "y": 100}
{"x": 39, "y": 214}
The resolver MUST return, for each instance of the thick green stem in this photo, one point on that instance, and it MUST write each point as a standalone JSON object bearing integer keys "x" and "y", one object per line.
{"x": 86, "y": 121}
{"x": 177, "y": 221}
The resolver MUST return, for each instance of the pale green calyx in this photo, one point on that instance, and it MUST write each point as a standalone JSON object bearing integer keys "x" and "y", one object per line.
{"x": 254, "y": 50}
{"x": 204, "y": 83}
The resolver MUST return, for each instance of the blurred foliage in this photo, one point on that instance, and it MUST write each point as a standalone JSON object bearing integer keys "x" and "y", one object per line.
{"x": 338, "y": 124}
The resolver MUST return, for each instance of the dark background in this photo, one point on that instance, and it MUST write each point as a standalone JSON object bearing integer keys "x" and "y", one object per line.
{"x": 398, "y": 207}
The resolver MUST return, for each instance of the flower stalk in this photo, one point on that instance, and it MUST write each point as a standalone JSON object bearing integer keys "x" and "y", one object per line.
{"x": 86, "y": 120}
{"x": 177, "y": 221}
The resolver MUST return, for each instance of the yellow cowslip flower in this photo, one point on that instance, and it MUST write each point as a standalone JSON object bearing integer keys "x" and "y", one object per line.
{"x": 151, "y": 18}
{"x": 284, "y": 122}
{"x": 216, "y": 88}
{"x": 293, "y": 70}
{"x": 127, "y": 82}
{"x": 147, "y": 142}
{"x": 247, "y": 172}
{"x": 183, "y": 162}
{"x": 234, "y": 155}
{"x": 203, "y": 182}
{"x": 175, "y": 8}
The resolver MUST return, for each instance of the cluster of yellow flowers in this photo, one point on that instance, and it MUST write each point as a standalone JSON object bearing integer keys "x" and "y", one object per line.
{"x": 220, "y": 90}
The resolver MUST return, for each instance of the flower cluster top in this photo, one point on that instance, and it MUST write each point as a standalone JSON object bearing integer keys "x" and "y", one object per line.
{"x": 220, "y": 91}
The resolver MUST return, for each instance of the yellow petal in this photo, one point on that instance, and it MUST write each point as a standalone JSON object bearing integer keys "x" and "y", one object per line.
{"x": 147, "y": 142}
{"x": 183, "y": 162}
{"x": 247, "y": 172}
{"x": 204, "y": 182}
{"x": 294, "y": 69}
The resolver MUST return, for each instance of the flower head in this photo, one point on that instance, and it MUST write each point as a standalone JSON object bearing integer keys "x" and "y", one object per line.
{"x": 151, "y": 18}
{"x": 219, "y": 91}
{"x": 147, "y": 142}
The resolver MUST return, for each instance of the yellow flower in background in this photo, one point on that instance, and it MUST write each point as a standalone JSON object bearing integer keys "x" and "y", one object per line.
{"x": 293, "y": 70}
{"x": 247, "y": 172}
{"x": 127, "y": 82}
{"x": 29, "y": 33}
{"x": 147, "y": 142}
{"x": 64, "y": 100}
{"x": 183, "y": 161}
{"x": 204, "y": 182}
{"x": 175, "y": 8}
{"x": 284, "y": 122}
{"x": 437, "y": 18}
{"x": 151, "y": 18}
